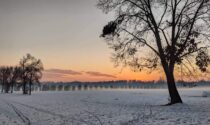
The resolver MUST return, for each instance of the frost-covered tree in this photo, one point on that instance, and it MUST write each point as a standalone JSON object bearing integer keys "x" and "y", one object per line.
{"x": 3, "y": 77}
{"x": 7, "y": 78}
{"x": 15, "y": 77}
{"x": 146, "y": 33}
{"x": 31, "y": 72}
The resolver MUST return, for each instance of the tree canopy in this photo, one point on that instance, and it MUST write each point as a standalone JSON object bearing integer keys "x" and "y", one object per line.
{"x": 149, "y": 33}
{"x": 174, "y": 31}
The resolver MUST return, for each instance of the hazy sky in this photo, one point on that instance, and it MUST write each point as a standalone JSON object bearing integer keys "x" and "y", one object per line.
{"x": 64, "y": 34}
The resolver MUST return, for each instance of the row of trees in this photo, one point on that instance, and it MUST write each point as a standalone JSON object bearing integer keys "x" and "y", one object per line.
{"x": 28, "y": 72}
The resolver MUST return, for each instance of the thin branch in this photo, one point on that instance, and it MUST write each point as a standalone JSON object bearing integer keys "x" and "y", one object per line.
{"x": 142, "y": 41}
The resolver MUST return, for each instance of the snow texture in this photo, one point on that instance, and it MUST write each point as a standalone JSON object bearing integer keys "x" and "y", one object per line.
{"x": 206, "y": 94}
{"x": 107, "y": 107}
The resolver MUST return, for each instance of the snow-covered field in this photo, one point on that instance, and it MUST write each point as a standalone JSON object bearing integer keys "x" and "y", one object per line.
{"x": 107, "y": 107}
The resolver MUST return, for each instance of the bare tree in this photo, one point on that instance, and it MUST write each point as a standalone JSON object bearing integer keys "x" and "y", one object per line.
{"x": 6, "y": 76}
{"x": 15, "y": 77}
{"x": 31, "y": 71}
{"x": 2, "y": 77}
{"x": 173, "y": 31}
{"x": 9, "y": 71}
{"x": 23, "y": 65}
{"x": 34, "y": 72}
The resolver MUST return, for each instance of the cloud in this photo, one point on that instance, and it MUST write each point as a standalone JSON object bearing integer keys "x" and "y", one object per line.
{"x": 61, "y": 71}
{"x": 98, "y": 74}
{"x": 57, "y": 77}
{"x": 52, "y": 75}
{"x": 74, "y": 75}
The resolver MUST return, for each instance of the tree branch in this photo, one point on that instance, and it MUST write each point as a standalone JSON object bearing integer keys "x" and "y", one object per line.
{"x": 142, "y": 41}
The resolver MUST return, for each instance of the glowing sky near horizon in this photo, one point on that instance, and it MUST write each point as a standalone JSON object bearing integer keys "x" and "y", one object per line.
{"x": 64, "y": 34}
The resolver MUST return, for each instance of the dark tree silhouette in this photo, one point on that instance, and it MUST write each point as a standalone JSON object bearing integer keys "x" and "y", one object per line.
{"x": 34, "y": 72}
{"x": 174, "y": 31}
{"x": 7, "y": 79}
{"x": 15, "y": 77}
{"x": 31, "y": 71}
{"x": 9, "y": 71}
{"x": 3, "y": 78}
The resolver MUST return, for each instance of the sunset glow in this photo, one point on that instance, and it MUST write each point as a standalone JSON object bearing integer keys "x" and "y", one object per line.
{"x": 64, "y": 35}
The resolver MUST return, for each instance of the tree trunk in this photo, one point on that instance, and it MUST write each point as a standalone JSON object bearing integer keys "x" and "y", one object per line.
{"x": 30, "y": 87}
{"x": 12, "y": 86}
{"x": 24, "y": 88}
{"x": 7, "y": 86}
{"x": 174, "y": 95}
{"x": 2, "y": 87}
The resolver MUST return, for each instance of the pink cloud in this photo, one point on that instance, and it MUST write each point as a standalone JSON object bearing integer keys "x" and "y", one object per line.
{"x": 64, "y": 72}
{"x": 98, "y": 74}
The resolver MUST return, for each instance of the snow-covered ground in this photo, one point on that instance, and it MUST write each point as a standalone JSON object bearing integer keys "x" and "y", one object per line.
{"x": 107, "y": 107}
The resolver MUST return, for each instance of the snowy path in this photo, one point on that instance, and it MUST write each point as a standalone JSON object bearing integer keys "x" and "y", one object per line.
{"x": 24, "y": 118}
{"x": 110, "y": 107}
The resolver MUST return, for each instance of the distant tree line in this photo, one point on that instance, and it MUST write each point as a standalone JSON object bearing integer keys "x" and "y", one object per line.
{"x": 27, "y": 73}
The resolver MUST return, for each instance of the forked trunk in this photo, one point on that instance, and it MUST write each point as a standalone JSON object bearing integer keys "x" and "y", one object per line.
{"x": 174, "y": 95}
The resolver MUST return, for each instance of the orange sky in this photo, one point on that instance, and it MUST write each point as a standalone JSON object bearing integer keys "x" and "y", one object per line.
{"x": 64, "y": 35}
{"x": 126, "y": 74}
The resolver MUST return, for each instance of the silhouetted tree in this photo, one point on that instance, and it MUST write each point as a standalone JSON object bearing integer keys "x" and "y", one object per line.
{"x": 34, "y": 72}
{"x": 6, "y": 76}
{"x": 9, "y": 71}
{"x": 2, "y": 77}
{"x": 15, "y": 78}
{"x": 174, "y": 31}
{"x": 31, "y": 71}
